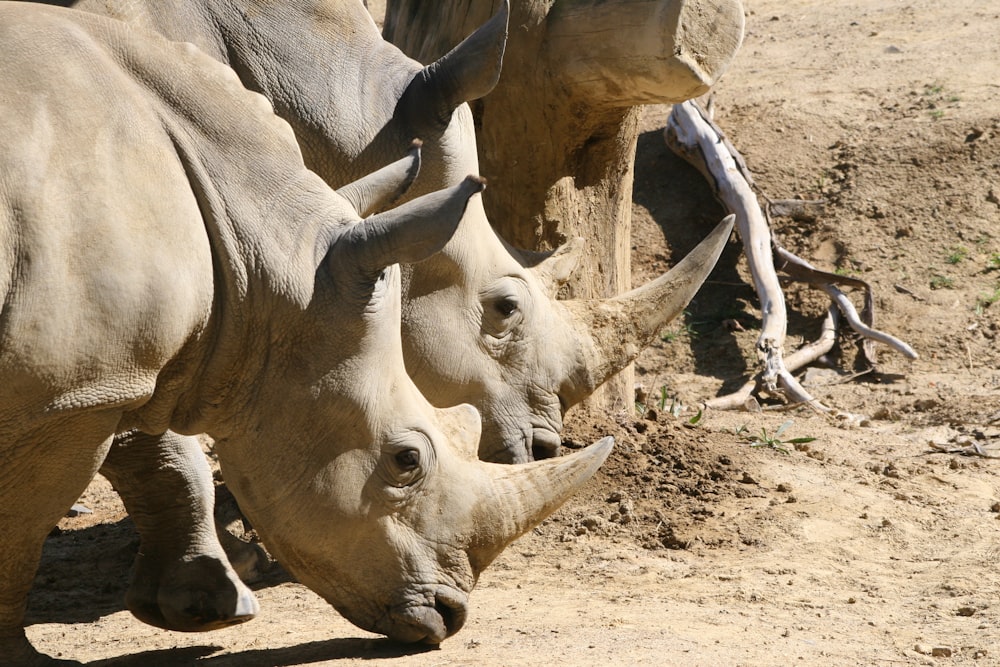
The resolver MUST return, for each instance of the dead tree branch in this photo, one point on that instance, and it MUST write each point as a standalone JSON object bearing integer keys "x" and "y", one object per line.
{"x": 692, "y": 135}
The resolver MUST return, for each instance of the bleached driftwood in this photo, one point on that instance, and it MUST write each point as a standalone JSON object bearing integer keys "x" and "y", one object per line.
{"x": 692, "y": 134}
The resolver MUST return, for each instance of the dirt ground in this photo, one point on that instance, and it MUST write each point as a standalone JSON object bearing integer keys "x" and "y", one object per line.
{"x": 870, "y": 545}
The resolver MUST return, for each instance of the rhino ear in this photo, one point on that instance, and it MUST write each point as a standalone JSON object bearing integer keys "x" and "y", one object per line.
{"x": 380, "y": 190}
{"x": 409, "y": 233}
{"x": 467, "y": 72}
{"x": 554, "y": 268}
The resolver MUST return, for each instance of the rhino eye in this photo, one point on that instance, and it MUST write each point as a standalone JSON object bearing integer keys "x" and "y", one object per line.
{"x": 506, "y": 307}
{"x": 408, "y": 459}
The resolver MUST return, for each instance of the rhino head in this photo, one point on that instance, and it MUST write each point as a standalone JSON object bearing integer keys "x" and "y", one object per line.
{"x": 481, "y": 322}
{"x": 491, "y": 332}
{"x": 371, "y": 496}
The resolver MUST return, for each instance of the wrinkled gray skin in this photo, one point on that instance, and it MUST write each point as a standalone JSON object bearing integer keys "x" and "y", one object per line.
{"x": 168, "y": 262}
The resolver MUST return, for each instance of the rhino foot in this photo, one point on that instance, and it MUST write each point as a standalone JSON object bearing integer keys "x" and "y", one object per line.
{"x": 190, "y": 595}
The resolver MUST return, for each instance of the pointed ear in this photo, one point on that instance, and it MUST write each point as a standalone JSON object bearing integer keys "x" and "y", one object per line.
{"x": 380, "y": 190}
{"x": 554, "y": 268}
{"x": 409, "y": 233}
{"x": 467, "y": 72}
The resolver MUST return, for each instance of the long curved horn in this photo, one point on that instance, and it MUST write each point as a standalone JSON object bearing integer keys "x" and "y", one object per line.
{"x": 467, "y": 72}
{"x": 380, "y": 189}
{"x": 408, "y": 233}
{"x": 518, "y": 498}
{"x": 620, "y": 327}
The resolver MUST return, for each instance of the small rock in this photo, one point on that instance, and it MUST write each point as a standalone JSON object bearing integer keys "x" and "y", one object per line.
{"x": 78, "y": 509}
{"x": 941, "y": 652}
{"x": 965, "y": 611}
{"x": 784, "y": 488}
{"x": 922, "y": 649}
{"x": 973, "y": 134}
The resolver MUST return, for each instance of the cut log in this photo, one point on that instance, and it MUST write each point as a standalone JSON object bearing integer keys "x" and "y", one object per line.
{"x": 631, "y": 52}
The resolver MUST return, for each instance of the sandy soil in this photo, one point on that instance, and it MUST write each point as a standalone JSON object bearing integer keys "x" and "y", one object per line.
{"x": 869, "y": 545}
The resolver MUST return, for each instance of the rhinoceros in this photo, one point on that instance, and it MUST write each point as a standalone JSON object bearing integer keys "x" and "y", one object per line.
{"x": 511, "y": 349}
{"x": 480, "y": 321}
{"x": 169, "y": 262}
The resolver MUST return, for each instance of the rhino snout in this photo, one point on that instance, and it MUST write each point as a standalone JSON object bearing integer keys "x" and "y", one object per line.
{"x": 545, "y": 443}
{"x": 430, "y": 622}
{"x": 533, "y": 443}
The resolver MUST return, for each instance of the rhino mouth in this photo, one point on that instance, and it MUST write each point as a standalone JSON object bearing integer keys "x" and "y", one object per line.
{"x": 534, "y": 444}
{"x": 545, "y": 443}
{"x": 430, "y": 622}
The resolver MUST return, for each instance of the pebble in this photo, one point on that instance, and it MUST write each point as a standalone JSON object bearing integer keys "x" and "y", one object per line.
{"x": 78, "y": 509}
{"x": 934, "y": 651}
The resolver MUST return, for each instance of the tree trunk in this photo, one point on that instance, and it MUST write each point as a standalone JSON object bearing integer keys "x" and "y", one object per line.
{"x": 557, "y": 135}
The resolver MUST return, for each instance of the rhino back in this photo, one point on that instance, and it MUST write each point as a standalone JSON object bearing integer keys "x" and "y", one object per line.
{"x": 97, "y": 295}
{"x": 323, "y": 65}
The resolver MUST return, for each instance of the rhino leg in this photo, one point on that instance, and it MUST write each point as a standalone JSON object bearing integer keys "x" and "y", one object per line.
{"x": 42, "y": 472}
{"x": 251, "y": 562}
{"x": 20, "y": 554}
{"x": 183, "y": 579}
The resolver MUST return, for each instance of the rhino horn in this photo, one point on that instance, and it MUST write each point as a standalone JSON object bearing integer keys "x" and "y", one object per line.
{"x": 621, "y": 326}
{"x": 411, "y": 232}
{"x": 518, "y": 498}
{"x": 467, "y": 72}
{"x": 380, "y": 190}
